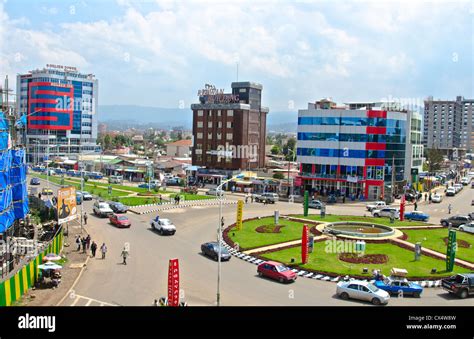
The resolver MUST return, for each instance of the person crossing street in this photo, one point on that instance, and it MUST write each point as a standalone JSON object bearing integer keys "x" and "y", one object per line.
{"x": 124, "y": 255}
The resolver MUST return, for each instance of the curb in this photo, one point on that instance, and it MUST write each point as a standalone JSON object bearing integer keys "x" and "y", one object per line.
{"x": 169, "y": 206}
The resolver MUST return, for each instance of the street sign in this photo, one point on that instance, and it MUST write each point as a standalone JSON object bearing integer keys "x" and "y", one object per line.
{"x": 451, "y": 250}
{"x": 240, "y": 207}
{"x": 414, "y": 171}
{"x": 417, "y": 251}
{"x": 306, "y": 198}
{"x": 276, "y": 217}
{"x": 173, "y": 283}
{"x": 304, "y": 245}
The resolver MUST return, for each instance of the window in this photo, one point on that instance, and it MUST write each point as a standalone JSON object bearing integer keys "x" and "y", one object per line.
{"x": 219, "y": 136}
{"x": 209, "y": 135}
{"x": 209, "y": 124}
{"x": 219, "y": 113}
{"x": 229, "y": 136}
{"x": 219, "y": 124}
{"x": 242, "y": 90}
{"x": 209, "y": 113}
{"x": 199, "y": 135}
{"x": 229, "y": 124}
{"x": 199, "y": 124}
{"x": 230, "y": 113}
{"x": 200, "y": 113}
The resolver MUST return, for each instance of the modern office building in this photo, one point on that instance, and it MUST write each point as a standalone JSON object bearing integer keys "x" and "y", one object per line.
{"x": 352, "y": 151}
{"x": 60, "y": 104}
{"x": 448, "y": 124}
{"x": 229, "y": 129}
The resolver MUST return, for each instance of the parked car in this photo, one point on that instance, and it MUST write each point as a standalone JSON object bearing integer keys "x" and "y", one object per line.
{"x": 120, "y": 220}
{"x": 375, "y": 205}
{"x": 472, "y": 184}
{"x": 458, "y": 187}
{"x": 465, "y": 181}
{"x": 213, "y": 191}
{"x": 387, "y": 212}
{"x": 456, "y": 220}
{"x": 78, "y": 199}
{"x": 331, "y": 199}
{"x": 269, "y": 198}
{"x": 211, "y": 249}
{"x": 461, "y": 285}
{"x": 362, "y": 290}
{"x": 163, "y": 226}
{"x": 86, "y": 195}
{"x": 450, "y": 192}
{"x": 315, "y": 204}
{"x": 46, "y": 191}
{"x": 417, "y": 216}
{"x": 173, "y": 181}
{"x": 394, "y": 286}
{"x": 277, "y": 271}
{"x": 147, "y": 185}
{"x": 102, "y": 209}
{"x": 436, "y": 198}
{"x": 469, "y": 228}
{"x": 35, "y": 181}
{"x": 410, "y": 196}
{"x": 116, "y": 179}
{"x": 118, "y": 207}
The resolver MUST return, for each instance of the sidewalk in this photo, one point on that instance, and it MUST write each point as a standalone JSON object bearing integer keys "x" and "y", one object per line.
{"x": 276, "y": 246}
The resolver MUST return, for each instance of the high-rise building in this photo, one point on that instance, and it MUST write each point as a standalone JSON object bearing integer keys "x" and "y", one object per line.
{"x": 447, "y": 124}
{"x": 229, "y": 129}
{"x": 351, "y": 150}
{"x": 60, "y": 104}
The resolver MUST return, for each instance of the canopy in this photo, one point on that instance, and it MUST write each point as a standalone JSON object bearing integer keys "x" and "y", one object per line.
{"x": 49, "y": 266}
{"x": 52, "y": 257}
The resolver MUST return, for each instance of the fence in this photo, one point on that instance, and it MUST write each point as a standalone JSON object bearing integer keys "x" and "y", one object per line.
{"x": 13, "y": 288}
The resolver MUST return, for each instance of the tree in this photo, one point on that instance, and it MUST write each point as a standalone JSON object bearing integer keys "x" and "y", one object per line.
{"x": 278, "y": 176}
{"x": 107, "y": 142}
{"x": 289, "y": 149}
{"x": 275, "y": 150}
{"x": 434, "y": 159}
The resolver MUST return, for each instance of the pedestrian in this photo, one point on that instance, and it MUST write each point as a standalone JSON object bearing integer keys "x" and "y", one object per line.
{"x": 78, "y": 243}
{"x": 103, "y": 250}
{"x": 343, "y": 199}
{"x": 251, "y": 198}
{"x": 124, "y": 255}
{"x": 93, "y": 249}
{"x": 88, "y": 242}
{"x": 426, "y": 196}
{"x": 84, "y": 244}
{"x": 416, "y": 206}
{"x": 449, "y": 209}
{"x": 179, "y": 198}
{"x": 161, "y": 199}
{"x": 39, "y": 195}
{"x": 85, "y": 218}
{"x": 429, "y": 199}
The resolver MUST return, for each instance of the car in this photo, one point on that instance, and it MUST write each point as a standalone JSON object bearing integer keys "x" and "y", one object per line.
{"x": 315, "y": 204}
{"x": 163, "y": 226}
{"x": 213, "y": 191}
{"x": 472, "y": 202}
{"x": 395, "y": 285}
{"x": 116, "y": 179}
{"x": 86, "y": 195}
{"x": 78, "y": 199}
{"x": 276, "y": 271}
{"x": 465, "y": 181}
{"x": 47, "y": 191}
{"x": 146, "y": 185}
{"x": 458, "y": 187}
{"x": 118, "y": 207}
{"x": 35, "y": 181}
{"x": 450, "y": 192}
{"x": 469, "y": 228}
{"x": 456, "y": 220}
{"x": 331, "y": 199}
{"x": 102, "y": 209}
{"x": 411, "y": 196}
{"x": 269, "y": 198}
{"x": 211, "y": 249}
{"x": 172, "y": 181}
{"x": 417, "y": 216}
{"x": 472, "y": 184}
{"x": 362, "y": 290}
{"x": 436, "y": 198}
{"x": 120, "y": 220}
{"x": 386, "y": 212}
{"x": 375, "y": 205}
{"x": 461, "y": 285}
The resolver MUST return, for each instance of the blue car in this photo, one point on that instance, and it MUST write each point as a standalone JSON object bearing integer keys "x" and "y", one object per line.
{"x": 152, "y": 186}
{"x": 35, "y": 181}
{"x": 394, "y": 286}
{"x": 417, "y": 216}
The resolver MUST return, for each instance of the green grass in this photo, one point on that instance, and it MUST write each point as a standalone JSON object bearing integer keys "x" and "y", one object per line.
{"x": 190, "y": 196}
{"x": 381, "y": 221}
{"x": 247, "y": 237}
{"x": 434, "y": 241}
{"x": 323, "y": 259}
{"x": 135, "y": 201}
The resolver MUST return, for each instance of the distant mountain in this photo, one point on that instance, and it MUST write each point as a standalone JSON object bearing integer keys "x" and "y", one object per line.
{"x": 159, "y": 117}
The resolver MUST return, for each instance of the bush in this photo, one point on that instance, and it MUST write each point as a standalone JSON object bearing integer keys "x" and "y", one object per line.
{"x": 86, "y": 178}
{"x": 278, "y": 176}
{"x": 116, "y": 199}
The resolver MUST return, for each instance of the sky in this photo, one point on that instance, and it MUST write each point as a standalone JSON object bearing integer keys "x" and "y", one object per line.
{"x": 160, "y": 53}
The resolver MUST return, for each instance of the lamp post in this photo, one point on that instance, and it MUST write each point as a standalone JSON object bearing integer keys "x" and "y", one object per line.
{"x": 220, "y": 196}
{"x": 294, "y": 155}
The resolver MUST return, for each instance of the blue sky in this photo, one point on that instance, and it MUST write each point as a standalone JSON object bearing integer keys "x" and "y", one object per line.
{"x": 159, "y": 53}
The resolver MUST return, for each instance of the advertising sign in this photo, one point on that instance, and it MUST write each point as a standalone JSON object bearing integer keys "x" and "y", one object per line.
{"x": 173, "y": 283}
{"x": 304, "y": 245}
{"x": 310, "y": 244}
{"x": 305, "y": 205}
{"x": 67, "y": 209}
{"x": 417, "y": 251}
{"x": 276, "y": 217}
{"x": 240, "y": 208}
{"x": 451, "y": 251}
{"x": 402, "y": 208}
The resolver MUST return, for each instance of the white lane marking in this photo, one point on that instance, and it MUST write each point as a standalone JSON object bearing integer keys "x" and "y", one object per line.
{"x": 89, "y": 302}
{"x": 75, "y": 301}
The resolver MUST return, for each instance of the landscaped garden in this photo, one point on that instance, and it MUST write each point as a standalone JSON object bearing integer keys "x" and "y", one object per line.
{"x": 381, "y": 221}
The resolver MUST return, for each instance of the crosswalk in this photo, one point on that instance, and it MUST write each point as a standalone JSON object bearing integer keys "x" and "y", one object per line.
{"x": 80, "y": 300}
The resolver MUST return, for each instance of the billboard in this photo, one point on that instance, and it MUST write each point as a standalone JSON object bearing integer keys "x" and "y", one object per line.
{"x": 173, "y": 283}
{"x": 240, "y": 207}
{"x": 304, "y": 245}
{"x": 67, "y": 209}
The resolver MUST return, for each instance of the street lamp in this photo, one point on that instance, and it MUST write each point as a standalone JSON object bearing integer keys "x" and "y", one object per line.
{"x": 294, "y": 156}
{"x": 220, "y": 196}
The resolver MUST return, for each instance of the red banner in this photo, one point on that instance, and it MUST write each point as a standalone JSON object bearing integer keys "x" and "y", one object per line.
{"x": 173, "y": 283}
{"x": 304, "y": 245}
{"x": 402, "y": 208}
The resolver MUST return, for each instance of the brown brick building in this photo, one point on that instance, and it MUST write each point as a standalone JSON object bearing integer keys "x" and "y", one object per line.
{"x": 229, "y": 129}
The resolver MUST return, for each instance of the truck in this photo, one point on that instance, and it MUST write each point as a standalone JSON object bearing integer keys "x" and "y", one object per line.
{"x": 461, "y": 285}
{"x": 375, "y": 205}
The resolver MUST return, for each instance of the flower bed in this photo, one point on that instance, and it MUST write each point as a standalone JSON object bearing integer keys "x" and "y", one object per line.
{"x": 461, "y": 243}
{"x": 353, "y": 258}
{"x": 269, "y": 228}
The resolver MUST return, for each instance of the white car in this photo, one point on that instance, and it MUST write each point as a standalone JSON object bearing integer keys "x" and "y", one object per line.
{"x": 102, "y": 209}
{"x": 213, "y": 191}
{"x": 362, "y": 290}
{"x": 375, "y": 205}
{"x": 465, "y": 181}
{"x": 386, "y": 212}
{"x": 469, "y": 228}
{"x": 163, "y": 226}
{"x": 436, "y": 198}
{"x": 86, "y": 195}
{"x": 451, "y": 191}
{"x": 458, "y": 187}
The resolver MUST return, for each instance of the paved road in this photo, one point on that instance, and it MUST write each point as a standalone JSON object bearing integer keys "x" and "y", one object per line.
{"x": 145, "y": 277}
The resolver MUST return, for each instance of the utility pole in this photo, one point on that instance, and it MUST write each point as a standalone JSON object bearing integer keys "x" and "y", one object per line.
{"x": 393, "y": 179}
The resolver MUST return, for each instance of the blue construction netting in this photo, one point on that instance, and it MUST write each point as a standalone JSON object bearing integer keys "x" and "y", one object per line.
{"x": 18, "y": 182}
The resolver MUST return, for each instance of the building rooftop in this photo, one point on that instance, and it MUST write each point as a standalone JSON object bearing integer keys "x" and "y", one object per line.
{"x": 247, "y": 84}
{"x": 184, "y": 142}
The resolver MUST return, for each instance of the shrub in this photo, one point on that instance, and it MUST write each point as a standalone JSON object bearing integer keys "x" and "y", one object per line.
{"x": 86, "y": 179}
{"x": 278, "y": 176}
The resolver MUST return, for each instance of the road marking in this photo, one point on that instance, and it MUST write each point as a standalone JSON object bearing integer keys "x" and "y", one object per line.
{"x": 90, "y": 301}
{"x": 75, "y": 301}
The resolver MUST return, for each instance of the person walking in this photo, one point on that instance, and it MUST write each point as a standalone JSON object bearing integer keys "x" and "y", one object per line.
{"x": 415, "y": 205}
{"x": 449, "y": 208}
{"x": 161, "y": 199}
{"x": 84, "y": 244}
{"x": 103, "y": 250}
{"x": 429, "y": 199}
{"x": 88, "y": 242}
{"x": 78, "y": 243}
{"x": 85, "y": 218}
{"x": 124, "y": 255}
{"x": 426, "y": 196}
{"x": 93, "y": 249}
{"x": 343, "y": 199}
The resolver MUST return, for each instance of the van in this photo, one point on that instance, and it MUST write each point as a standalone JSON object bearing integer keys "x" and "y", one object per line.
{"x": 116, "y": 179}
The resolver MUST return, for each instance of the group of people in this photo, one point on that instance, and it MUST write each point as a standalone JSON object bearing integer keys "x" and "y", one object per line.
{"x": 88, "y": 244}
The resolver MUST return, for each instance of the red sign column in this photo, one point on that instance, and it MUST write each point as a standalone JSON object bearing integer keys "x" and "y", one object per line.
{"x": 173, "y": 283}
{"x": 402, "y": 208}
{"x": 304, "y": 245}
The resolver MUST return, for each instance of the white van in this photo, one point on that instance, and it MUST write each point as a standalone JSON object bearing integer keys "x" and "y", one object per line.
{"x": 116, "y": 179}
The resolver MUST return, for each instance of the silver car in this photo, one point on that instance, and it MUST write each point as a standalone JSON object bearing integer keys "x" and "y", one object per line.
{"x": 362, "y": 290}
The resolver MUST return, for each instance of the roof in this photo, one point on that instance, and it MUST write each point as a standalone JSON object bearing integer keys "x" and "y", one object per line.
{"x": 184, "y": 142}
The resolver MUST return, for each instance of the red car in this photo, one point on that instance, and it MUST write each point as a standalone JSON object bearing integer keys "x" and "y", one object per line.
{"x": 120, "y": 220}
{"x": 276, "y": 271}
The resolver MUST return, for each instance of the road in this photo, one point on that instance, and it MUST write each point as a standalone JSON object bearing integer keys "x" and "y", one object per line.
{"x": 145, "y": 277}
